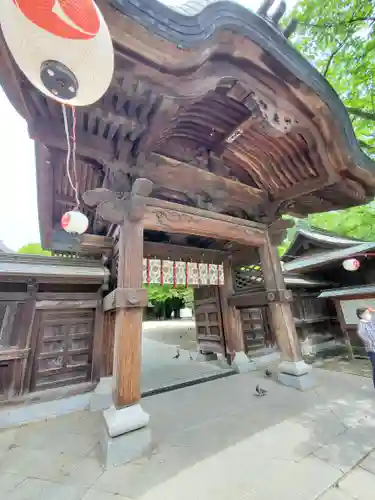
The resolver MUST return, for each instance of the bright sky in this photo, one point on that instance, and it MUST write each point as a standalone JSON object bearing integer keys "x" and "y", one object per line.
{"x": 18, "y": 205}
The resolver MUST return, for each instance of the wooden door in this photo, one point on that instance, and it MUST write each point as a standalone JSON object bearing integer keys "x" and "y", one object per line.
{"x": 208, "y": 320}
{"x": 256, "y": 327}
{"x": 64, "y": 347}
{"x": 15, "y": 323}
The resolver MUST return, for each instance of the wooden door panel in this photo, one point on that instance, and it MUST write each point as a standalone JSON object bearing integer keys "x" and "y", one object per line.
{"x": 208, "y": 319}
{"x": 256, "y": 328}
{"x": 64, "y": 350}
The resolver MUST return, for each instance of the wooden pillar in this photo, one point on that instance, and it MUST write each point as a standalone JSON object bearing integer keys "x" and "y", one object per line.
{"x": 126, "y": 435}
{"x": 233, "y": 329}
{"x": 129, "y": 298}
{"x": 128, "y": 325}
{"x": 279, "y": 299}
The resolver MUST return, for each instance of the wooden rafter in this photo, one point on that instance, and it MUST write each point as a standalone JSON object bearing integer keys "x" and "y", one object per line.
{"x": 231, "y": 125}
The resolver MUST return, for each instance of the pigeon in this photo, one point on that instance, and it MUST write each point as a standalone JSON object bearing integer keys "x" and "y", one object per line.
{"x": 268, "y": 373}
{"x": 177, "y": 353}
{"x": 259, "y": 391}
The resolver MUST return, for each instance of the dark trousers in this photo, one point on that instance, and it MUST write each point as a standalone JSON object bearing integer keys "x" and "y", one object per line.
{"x": 371, "y": 356}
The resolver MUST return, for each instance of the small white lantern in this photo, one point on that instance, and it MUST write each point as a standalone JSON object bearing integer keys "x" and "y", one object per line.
{"x": 351, "y": 264}
{"x": 62, "y": 46}
{"x": 74, "y": 222}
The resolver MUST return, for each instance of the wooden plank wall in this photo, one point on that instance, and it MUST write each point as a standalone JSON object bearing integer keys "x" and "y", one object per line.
{"x": 16, "y": 317}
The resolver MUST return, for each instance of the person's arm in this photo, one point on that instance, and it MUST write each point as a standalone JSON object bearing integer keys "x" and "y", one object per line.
{"x": 371, "y": 310}
{"x": 362, "y": 332}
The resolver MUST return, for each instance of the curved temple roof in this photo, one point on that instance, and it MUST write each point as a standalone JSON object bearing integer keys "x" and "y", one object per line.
{"x": 208, "y": 17}
{"x": 218, "y": 109}
{"x": 308, "y": 241}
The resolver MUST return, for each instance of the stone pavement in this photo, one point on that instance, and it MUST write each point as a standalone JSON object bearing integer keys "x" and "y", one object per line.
{"x": 175, "y": 332}
{"x": 212, "y": 441}
{"x": 160, "y": 369}
{"x": 356, "y": 366}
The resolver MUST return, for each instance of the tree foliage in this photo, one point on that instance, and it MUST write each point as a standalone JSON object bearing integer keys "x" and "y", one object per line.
{"x": 167, "y": 299}
{"x": 33, "y": 249}
{"x": 357, "y": 222}
{"x": 338, "y": 38}
{"x": 160, "y": 293}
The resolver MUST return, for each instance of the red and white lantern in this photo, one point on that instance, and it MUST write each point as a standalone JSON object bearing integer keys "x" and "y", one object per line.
{"x": 62, "y": 46}
{"x": 74, "y": 222}
{"x": 351, "y": 264}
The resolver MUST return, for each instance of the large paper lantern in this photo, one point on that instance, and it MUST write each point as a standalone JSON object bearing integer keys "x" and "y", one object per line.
{"x": 351, "y": 264}
{"x": 62, "y": 46}
{"x": 74, "y": 222}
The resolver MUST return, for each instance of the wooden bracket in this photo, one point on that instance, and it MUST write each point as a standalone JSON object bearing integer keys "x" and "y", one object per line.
{"x": 115, "y": 210}
{"x": 279, "y": 296}
{"x": 142, "y": 188}
{"x": 277, "y": 231}
{"x": 125, "y": 298}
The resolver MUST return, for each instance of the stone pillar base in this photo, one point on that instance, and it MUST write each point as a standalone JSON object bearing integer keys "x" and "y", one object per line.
{"x": 243, "y": 364}
{"x": 101, "y": 398}
{"x": 206, "y": 356}
{"x": 222, "y": 361}
{"x": 126, "y": 448}
{"x": 296, "y": 374}
{"x": 125, "y": 436}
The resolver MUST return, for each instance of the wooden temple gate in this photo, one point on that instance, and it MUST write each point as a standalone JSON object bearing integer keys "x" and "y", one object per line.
{"x": 210, "y": 131}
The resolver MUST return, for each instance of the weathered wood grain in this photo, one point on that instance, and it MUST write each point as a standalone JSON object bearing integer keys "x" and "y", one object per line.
{"x": 173, "y": 218}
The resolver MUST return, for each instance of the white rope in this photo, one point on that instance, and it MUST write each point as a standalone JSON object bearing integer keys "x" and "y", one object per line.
{"x": 68, "y": 156}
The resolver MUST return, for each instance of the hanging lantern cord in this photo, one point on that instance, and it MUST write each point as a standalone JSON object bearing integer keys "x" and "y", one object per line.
{"x": 71, "y": 144}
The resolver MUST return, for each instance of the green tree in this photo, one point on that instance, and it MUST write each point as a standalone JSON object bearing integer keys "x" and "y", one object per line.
{"x": 33, "y": 249}
{"x": 338, "y": 38}
{"x": 357, "y": 222}
{"x": 167, "y": 299}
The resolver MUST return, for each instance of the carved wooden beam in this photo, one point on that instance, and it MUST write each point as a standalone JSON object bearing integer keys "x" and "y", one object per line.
{"x": 180, "y": 176}
{"x": 170, "y": 217}
{"x": 174, "y": 218}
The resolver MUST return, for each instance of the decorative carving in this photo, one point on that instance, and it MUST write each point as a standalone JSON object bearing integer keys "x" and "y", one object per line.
{"x": 275, "y": 117}
{"x": 97, "y": 196}
{"x": 113, "y": 209}
{"x": 164, "y": 217}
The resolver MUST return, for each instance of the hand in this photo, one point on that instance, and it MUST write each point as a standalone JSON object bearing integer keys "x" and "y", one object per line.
{"x": 371, "y": 309}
